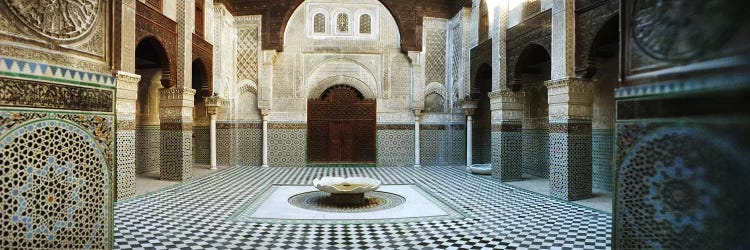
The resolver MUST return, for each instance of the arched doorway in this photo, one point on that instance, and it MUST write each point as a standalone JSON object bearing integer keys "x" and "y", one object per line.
{"x": 341, "y": 127}
{"x": 152, "y": 65}
{"x": 602, "y": 71}
{"x": 531, "y": 71}
{"x": 481, "y": 124}
{"x": 201, "y": 118}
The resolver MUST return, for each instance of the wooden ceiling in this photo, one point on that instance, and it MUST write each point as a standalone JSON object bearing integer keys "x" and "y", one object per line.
{"x": 408, "y": 15}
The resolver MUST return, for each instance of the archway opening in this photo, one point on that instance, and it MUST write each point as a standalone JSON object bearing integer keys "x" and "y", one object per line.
{"x": 531, "y": 71}
{"x": 341, "y": 127}
{"x": 481, "y": 124}
{"x": 201, "y": 118}
{"x": 152, "y": 65}
{"x": 602, "y": 70}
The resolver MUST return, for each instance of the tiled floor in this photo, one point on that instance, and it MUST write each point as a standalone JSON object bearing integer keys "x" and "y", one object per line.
{"x": 196, "y": 215}
{"x": 601, "y": 201}
{"x": 150, "y": 182}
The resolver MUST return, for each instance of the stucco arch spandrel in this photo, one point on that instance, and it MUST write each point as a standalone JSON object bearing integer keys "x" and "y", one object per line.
{"x": 324, "y": 84}
{"x": 341, "y": 71}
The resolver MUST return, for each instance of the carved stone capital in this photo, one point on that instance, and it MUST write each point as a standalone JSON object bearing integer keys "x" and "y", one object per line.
{"x": 213, "y": 103}
{"x": 570, "y": 98}
{"x": 469, "y": 106}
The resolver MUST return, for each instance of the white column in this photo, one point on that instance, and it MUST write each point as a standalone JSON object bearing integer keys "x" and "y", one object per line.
{"x": 265, "y": 140}
{"x": 213, "y": 141}
{"x": 416, "y": 139}
{"x": 469, "y": 142}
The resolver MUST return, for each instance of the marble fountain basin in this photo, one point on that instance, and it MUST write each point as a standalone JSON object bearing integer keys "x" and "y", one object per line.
{"x": 347, "y": 191}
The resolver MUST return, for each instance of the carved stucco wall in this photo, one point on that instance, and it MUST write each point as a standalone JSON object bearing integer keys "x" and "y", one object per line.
{"x": 374, "y": 61}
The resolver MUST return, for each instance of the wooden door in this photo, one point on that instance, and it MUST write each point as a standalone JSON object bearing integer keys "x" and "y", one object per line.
{"x": 341, "y": 127}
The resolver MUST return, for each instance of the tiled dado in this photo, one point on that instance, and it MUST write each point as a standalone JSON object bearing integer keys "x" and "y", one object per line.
{"x": 438, "y": 143}
{"x": 570, "y": 171}
{"x": 239, "y": 143}
{"x": 147, "y": 149}
{"x": 202, "y": 145}
{"x": 507, "y": 141}
{"x": 16, "y": 68}
{"x": 601, "y": 155}
{"x": 62, "y": 146}
{"x": 535, "y": 152}
{"x": 287, "y": 144}
{"x": 395, "y": 145}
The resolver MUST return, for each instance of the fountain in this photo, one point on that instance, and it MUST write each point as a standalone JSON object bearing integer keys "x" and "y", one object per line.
{"x": 346, "y": 191}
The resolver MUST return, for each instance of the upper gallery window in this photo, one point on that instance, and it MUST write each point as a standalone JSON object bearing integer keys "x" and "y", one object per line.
{"x": 342, "y": 23}
{"x": 365, "y": 24}
{"x": 319, "y": 25}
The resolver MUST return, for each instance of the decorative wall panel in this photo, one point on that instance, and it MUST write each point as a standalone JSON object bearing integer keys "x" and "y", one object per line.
{"x": 602, "y": 150}
{"x": 442, "y": 145}
{"x": 201, "y": 145}
{"x": 395, "y": 145}
{"x": 286, "y": 145}
{"x": 536, "y": 152}
{"x": 147, "y": 149}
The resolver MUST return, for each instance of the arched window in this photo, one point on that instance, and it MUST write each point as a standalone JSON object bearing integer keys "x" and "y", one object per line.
{"x": 365, "y": 24}
{"x": 319, "y": 23}
{"x": 343, "y": 23}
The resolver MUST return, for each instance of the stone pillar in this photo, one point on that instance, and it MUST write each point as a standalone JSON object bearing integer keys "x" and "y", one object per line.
{"x": 570, "y": 115}
{"x": 127, "y": 94}
{"x": 563, "y": 39}
{"x": 469, "y": 106}
{"x": 213, "y": 104}
{"x": 507, "y": 115}
{"x": 265, "y": 113}
{"x": 417, "y": 78}
{"x": 417, "y": 115}
{"x": 176, "y": 113}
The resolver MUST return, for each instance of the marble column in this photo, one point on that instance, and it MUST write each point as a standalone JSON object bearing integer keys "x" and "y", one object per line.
{"x": 570, "y": 114}
{"x": 417, "y": 116}
{"x": 507, "y": 114}
{"x": 469, "y": 106}
{"x": 127, "y": 94}
{"x": 265, "y": 114}
{"x": 176, "y": 113}
{"x": 213, "y": 104}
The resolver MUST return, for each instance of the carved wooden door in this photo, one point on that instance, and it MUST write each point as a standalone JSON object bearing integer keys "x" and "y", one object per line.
{"x": 341, "y": 127}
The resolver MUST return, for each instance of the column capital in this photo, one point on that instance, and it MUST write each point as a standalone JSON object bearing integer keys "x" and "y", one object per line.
{"x": 570, "y": 98}
{"x": 469, "y": 106}
{"x": 213, "y": 103}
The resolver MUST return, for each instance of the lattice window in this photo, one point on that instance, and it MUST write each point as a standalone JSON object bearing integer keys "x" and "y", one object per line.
{"x": 365, "y": 24}
{"x": 319, "y": 23}
{"x": 343, "y": 23}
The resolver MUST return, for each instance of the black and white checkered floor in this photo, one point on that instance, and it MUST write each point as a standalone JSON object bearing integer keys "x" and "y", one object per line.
{"x": 195, "y": 215}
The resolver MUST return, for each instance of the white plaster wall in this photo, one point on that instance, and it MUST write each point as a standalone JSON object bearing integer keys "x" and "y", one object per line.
{"x": 169, "y": 8}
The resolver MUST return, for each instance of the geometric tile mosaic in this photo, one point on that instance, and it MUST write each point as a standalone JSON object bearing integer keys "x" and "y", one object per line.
{"x": 601, "y": 156}
{"x": 197, "y": 214}
{"x": 147, "y": 149}
{"x": 55, "y": 184}
{"x": 395, "y": 147}
{"x": 201, "y": 145}
{"x": 536, "y": 153}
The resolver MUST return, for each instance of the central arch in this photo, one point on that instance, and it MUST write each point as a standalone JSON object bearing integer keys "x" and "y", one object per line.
{"x": 341, "y": 127}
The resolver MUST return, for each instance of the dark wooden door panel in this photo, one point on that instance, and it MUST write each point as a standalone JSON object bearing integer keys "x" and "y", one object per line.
{"x": 341, "y": 127}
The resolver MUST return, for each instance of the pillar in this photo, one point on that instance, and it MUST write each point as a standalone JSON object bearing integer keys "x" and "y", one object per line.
{"x": 127, "y": 95}
{"x": 570, "y": 114}
{"x": 570, "y": 111}
{"x": 176, "y": 113}
{"x": 265, "y": 113}
{"x": 469, "y": 106}
{"x": 213, "y": 104}
{"x": 417, "y": 114}
{"x": 507, "y": 114}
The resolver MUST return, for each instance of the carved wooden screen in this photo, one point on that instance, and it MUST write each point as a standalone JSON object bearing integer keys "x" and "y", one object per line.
{"x": 341, "y": 127}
